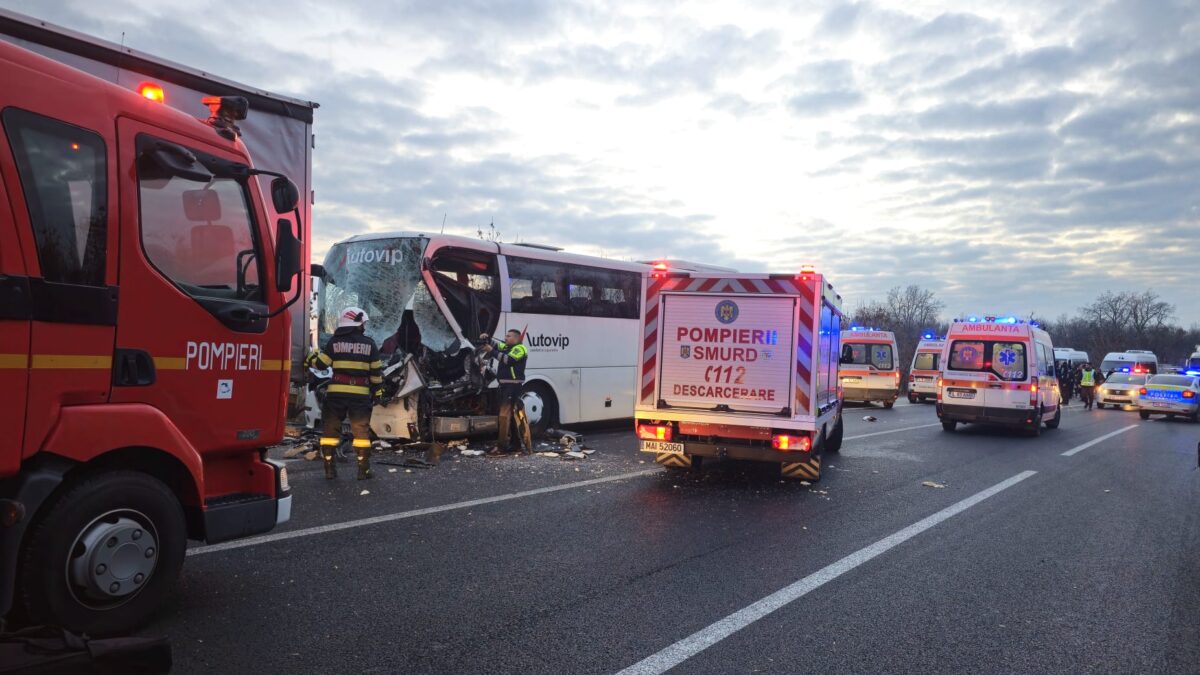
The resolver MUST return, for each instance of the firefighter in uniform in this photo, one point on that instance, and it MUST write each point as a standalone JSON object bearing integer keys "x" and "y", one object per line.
{"x": 512, "y": 357}
{"x": 356, "y": 382}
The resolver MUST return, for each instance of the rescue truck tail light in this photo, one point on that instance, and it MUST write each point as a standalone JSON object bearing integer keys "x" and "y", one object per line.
{"x": 655, "y": 432}
{"x": 152, "y": 91}
{"x": 791, "y": 443}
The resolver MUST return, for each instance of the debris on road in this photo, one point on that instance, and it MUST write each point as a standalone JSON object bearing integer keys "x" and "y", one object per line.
{"x": 311, "y": 455}
{"x": 471, "y": 453}
{"x": 392, "y": 470}
{"x": 550, "y": 455}
{"x": 574, "y": 455}
{"x": 870, "y": 418}
{"x": 364, "y": 492}
{"x": 932, "y": 484}
{"x": 805, "y": 483}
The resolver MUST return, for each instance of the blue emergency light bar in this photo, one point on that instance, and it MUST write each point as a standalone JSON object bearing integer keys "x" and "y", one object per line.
{"x": 1193, "y": 373}
{"x": 995, "y": 319}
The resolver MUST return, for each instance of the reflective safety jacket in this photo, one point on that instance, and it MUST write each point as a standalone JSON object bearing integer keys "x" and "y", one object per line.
{"x": 1087, "y": 378}
{"x": 512, "y": 363}
{"x": 355, "y": 362}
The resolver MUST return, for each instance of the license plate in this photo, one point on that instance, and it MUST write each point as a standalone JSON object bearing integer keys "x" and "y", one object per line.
{"x": 961, "y": 393}
{"x": 1162, "y": 405}
{"x": 662, "y": 447}
{"x": 852, "y": 379}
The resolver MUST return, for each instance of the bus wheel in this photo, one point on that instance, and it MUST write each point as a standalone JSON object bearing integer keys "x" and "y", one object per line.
{"x": 540, "y": 407}
{"x": 105, "y": 555}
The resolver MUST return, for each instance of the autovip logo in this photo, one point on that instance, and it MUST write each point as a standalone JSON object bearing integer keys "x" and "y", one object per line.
{"x": 542, "y": 342}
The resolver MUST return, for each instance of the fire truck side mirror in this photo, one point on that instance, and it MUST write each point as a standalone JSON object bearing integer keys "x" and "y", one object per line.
{"x": 284, "y": 194}
{"x": 287, "y": 256}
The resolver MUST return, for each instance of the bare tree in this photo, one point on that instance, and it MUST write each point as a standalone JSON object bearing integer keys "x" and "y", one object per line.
{"x": 908, "y": 312}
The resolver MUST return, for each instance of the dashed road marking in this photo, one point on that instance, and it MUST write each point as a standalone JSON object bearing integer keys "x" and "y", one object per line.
{"x": 707, "y": 637}
{"x": 1094, "y": 441}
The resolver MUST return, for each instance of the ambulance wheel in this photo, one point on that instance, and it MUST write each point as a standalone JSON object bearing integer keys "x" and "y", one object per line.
{"x": 541, "y": 409}
{"x": 1144, "y": 415}
{"x": 1099, "y": 406}
{"x": 1035, "y": 430}
{"x": 889, "y": 404}
{"x": 104, "y": 556}
{"x": 913, "y": 398}
{"x": 1056, "y": 420}
{"x": 833, "y": 442}
{"x": 949, "y": 425}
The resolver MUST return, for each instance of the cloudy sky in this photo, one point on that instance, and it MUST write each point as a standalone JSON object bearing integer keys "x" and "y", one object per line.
{"x": 1014, "y": 156}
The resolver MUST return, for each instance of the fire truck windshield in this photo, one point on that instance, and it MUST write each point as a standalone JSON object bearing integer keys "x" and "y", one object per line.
{"x": 383, "y": 276}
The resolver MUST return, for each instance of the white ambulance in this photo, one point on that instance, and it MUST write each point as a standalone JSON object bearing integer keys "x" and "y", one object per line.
{"x": 998, "y": 371}
{"x": 925, "y": 369}
{"x": 869, "y": 370}
{"x": 740, "y": 366}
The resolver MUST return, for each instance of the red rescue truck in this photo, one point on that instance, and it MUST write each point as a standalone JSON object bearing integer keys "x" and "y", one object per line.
{"x": 146, "y": 288}
{"x": 740, "y": 366}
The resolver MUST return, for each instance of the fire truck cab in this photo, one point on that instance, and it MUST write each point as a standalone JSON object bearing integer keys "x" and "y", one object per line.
{"x": 144, "y": 340}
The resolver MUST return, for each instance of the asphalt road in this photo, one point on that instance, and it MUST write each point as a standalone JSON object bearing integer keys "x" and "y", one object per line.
{"x": 1027, "y": 560}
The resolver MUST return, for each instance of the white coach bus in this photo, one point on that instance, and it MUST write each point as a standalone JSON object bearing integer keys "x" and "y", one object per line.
{"x": 431, "y": 296}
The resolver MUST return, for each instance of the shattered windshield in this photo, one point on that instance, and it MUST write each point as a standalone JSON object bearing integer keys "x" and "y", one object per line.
{"x": 382, "y": 276}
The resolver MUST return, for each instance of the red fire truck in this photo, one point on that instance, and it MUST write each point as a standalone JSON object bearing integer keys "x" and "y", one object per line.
{"x": 146, "y": 290}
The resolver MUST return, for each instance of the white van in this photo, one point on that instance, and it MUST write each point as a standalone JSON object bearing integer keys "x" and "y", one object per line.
{"x": 868, "y": 370}
{"x": 1192, "y": 367}
{"x": 925, "y": 369}
{"x": 1136, "y": 361}
{"x": 998, "y": 371}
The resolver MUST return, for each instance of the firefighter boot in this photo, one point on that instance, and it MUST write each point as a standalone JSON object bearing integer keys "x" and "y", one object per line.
{"x": 327, "y": 447}
{"x": 362, "y": 450}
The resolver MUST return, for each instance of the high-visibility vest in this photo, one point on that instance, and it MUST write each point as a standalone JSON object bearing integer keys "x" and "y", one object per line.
{"x": 1087, "y": 378}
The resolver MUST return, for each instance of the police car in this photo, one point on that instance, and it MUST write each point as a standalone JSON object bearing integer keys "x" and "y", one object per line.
{"x": 1120, "y": 389}
{"x": 1170, "y": 395}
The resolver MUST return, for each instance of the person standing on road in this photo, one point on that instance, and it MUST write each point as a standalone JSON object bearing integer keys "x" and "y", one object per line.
{"x": 1066, "y": 381}
{"x": 1087, "y": 385}
{"x": 512, "y": 357}
{"x": 356, "y": 382}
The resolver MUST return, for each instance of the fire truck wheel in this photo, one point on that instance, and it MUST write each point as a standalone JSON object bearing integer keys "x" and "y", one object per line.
{"x": 541, "y": 408}
{"x": 105, "y": 554}
{"x": 833, "y": 442}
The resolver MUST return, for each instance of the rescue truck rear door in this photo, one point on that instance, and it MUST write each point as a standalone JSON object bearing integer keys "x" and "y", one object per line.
{"x": 14, "y": 336}
{"x": 192, "y": 275}
{"x": 728, "y": 352}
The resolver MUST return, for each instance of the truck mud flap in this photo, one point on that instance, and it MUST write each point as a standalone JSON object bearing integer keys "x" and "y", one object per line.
{"x": 809, "y": 469}
{"x": 674, "y": 461}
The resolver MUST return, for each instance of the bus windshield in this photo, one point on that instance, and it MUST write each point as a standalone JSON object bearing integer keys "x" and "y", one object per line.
{"x": 383, "y": 277}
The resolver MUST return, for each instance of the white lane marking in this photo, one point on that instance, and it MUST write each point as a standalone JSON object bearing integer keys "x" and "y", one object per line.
{"x": 891, "y": 431}
{"x": 1090, "y": 443}
{"x": 707, "y": 637}
{"x": 387, "y": 518}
